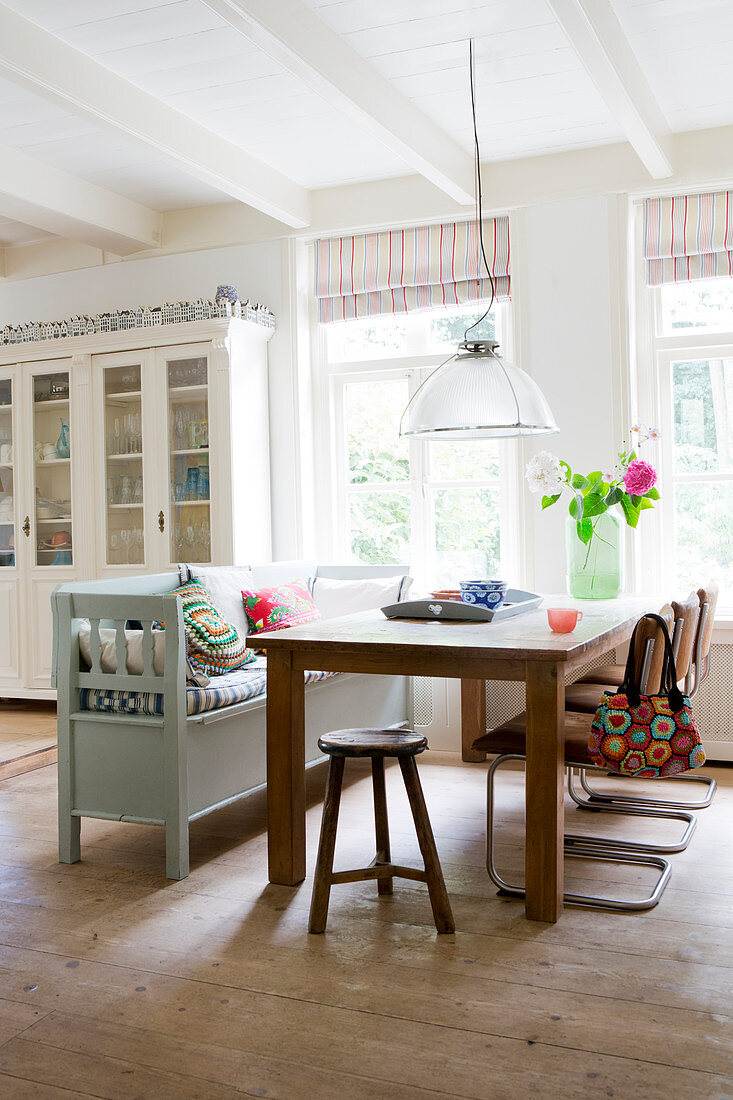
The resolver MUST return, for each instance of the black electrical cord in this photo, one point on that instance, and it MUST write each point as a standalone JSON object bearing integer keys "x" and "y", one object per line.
{"x": 479, "y": 197}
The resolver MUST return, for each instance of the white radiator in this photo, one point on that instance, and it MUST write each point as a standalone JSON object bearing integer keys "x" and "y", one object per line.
{"x": 713, "y": 705}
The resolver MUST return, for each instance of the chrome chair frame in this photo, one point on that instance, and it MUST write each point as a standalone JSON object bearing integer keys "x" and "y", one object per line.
{"x": 580, "y": 847}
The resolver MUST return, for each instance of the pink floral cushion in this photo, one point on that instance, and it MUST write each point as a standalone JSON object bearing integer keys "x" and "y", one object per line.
{"x": 275, "y": 608}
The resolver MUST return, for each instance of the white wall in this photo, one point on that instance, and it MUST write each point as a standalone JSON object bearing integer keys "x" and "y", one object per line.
{"x": 569, "y": 341}
{"x": 257, "y": 271}
{"x": 565, "y": 263}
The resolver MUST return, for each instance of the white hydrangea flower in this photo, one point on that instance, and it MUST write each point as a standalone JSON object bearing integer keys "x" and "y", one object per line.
{"x": 545, "y": 474}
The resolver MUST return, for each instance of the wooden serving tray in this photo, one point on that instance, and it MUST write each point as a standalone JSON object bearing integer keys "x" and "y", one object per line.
{"x": 516, "y": 602}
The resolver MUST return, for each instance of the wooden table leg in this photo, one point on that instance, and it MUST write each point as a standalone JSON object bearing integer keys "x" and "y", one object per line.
{"x": 285, "y": 769}
{"x": 545, "y": 791}
{"x": 473, "y": 718}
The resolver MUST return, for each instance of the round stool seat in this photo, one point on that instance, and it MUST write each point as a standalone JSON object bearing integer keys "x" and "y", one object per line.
{"x": 374, "y": 743}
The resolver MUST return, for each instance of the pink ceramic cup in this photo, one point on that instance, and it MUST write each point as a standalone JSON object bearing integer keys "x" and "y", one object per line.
{"x": 563, "y": 619}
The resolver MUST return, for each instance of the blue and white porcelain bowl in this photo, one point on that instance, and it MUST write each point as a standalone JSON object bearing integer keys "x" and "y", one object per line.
{"x": 489, "y": 594}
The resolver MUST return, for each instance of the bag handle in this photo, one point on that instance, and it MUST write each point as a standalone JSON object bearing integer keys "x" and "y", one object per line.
{"x": 631, "y": 686}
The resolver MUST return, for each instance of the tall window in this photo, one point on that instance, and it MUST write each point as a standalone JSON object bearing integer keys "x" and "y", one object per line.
{"x": 692, "y": 345}
{"x": 443, "y": 508}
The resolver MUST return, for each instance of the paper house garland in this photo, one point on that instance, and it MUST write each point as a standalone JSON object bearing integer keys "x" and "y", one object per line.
{"x": 170, "y": 313}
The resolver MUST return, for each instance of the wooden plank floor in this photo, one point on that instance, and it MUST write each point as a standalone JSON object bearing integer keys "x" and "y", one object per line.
{"x": 117, "y": 983}
{"x": 27, "y": 728}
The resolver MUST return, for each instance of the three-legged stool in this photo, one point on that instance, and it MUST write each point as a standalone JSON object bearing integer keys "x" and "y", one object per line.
{"x": 404, "y": 745}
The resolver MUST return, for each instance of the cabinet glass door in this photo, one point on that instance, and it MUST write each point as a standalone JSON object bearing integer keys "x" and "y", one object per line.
{"x": 123, "y": 442}
{"x": 7, "y": 484}
{"x": 52, "y": 464}
{"x": 188, "y": 442}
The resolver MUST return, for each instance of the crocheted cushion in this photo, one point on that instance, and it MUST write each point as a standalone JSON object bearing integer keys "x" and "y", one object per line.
{"x": 213, "y": 645}
{"x": 275, "y": 608}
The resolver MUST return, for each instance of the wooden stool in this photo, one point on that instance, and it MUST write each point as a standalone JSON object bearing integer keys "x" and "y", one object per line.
{"x": 376, "y": 744}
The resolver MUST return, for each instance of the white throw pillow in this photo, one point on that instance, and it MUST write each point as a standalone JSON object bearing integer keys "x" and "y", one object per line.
{"x": 108, "y": 660}
{"x": 333, "y": 598}
{"x": 224, "y": 583}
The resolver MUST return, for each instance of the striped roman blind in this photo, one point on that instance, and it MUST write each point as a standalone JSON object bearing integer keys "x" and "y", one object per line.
{"x": 410, "y": 269}
{"x": 688, "y": 237}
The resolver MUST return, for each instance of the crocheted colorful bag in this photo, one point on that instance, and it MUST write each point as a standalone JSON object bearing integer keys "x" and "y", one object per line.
{"x": 646, "y": 735}
{"x": 214, "y": 646}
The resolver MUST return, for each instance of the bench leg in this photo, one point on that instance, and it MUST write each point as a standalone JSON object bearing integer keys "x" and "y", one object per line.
{"x": 176, "y": 849}
{"x": 381, "y": 821}
{"x": 326, "y": 846}
{"x": 69, "y": 837}
{"x": 442, "y": 912}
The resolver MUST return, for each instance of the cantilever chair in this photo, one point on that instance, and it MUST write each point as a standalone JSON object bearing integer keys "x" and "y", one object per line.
{"x": 693, "y": 630}
{"x": 509, "y": 742}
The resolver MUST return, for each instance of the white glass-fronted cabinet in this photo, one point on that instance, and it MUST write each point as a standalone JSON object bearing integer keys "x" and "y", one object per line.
{"x": 37, "y": 513}
{"x": 125, "y": 431}
{"x": 190, "y": 446}
{"x": 10, "y": 648}
{"x": 154, "y": 484}
{"x": 125, "y": 453}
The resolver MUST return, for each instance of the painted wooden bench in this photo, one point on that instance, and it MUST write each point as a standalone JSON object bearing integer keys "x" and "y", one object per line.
{"x": 172, "y": 768}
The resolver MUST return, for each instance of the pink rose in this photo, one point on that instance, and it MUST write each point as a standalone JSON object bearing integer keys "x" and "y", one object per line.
{"x": 639, "y": 477}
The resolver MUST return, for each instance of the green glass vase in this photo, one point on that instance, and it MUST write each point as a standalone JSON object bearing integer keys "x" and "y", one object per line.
{"x": 595, "y": 569}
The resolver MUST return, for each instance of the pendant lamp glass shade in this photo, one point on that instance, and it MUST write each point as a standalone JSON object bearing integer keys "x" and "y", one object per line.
{"x": 477, "y": 395}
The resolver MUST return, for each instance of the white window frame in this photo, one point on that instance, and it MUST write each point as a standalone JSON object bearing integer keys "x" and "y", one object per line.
{"x": 653, "y": 391}
{"x": 332, "y": 458}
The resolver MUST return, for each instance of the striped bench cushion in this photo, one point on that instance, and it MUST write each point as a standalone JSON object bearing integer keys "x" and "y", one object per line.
{"x": 222, "y": 691}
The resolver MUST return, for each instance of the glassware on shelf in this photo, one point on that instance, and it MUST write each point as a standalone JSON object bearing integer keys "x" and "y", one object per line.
{"x": 52, "y": 488}
{"x": 59, "y": 388}
{"x": 63, "y": 443}
{"x": 192, "y": 483}
{"x": 7, "y": 510}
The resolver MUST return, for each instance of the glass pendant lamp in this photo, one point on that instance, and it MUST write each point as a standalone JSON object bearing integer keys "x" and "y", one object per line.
{"x": 476, "y": 394}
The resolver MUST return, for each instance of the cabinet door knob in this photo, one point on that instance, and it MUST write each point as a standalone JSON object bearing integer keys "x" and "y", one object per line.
{"x": 161, "y": 521}
{"x": 26, "y": 528}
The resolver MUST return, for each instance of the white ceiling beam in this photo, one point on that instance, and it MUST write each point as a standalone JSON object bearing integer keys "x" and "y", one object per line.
{"x": 66, "y": 206}
{"x": 43, "y": 64}
{"x": 606, "y": 54}
{"x": 291, "y": 33}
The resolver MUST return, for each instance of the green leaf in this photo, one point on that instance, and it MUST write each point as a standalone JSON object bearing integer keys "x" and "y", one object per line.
{"x": 614, "y": 496}
{"x": 584, "y": 528}
{"x": 646, "y": 503}
{"x": 653, "y": 494}
{"x": 594, "y": 480}
{"x": 578, "y": 481}
{"x": 594, "y": 505}
{"x": 547, "y": 501}
{"x": 630, "y": 510}
{"x": 566, "y": 468}
{"x": 576, "y": 506}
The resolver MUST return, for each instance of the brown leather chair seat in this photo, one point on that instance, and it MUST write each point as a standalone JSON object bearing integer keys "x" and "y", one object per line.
{"x": 512, "y": 738}
{"x": 604, "y": 674}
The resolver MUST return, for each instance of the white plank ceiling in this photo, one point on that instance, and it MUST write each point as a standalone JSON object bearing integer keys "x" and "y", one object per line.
{"x": 534, "y": 95}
